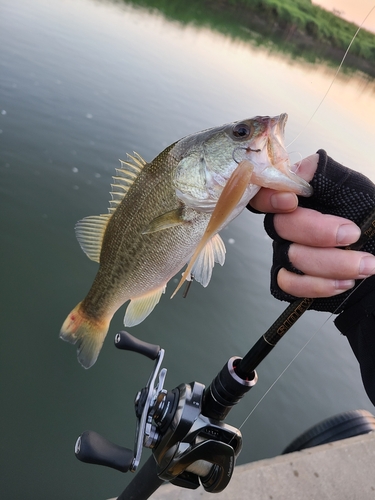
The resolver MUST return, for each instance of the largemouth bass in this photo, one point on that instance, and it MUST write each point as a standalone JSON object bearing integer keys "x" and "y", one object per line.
{"x": 159, "y": 218}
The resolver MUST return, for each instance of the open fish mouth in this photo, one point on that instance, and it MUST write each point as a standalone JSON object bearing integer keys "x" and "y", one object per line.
{"x": 265, "y": 164}
{"x": 277, "y": 173}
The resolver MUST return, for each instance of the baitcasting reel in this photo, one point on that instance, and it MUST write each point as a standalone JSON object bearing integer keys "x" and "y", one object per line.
{"x": 184, "y": 426}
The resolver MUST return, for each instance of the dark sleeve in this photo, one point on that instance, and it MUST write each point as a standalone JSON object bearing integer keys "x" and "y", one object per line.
{"x": 357, "y": 323}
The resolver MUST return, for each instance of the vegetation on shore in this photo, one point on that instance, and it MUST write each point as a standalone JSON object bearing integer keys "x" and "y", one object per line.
{"x": 295, "y": 26}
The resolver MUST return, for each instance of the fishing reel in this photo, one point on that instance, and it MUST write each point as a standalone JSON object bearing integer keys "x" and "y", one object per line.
{"x": 184, "y": 426}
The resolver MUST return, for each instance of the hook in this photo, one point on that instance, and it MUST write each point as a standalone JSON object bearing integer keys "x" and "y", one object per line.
{"x": 247, "y": 150}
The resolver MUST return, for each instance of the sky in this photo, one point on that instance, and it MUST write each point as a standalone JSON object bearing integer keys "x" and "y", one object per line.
{"x": 352, "y": 10}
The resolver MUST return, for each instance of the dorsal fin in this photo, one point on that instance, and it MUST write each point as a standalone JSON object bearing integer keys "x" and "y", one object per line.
{"x": 124, "y": 178}
{"x": 90, "y": 232}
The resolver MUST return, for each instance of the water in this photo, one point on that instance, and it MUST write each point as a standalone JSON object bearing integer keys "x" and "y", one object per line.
{"x": 82, "y": 83}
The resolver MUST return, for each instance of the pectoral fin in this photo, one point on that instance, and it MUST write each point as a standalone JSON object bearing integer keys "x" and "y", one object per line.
{"x": 281, "y": 178}
{"x": 165, "y": 221}
{"x": 227, "y": 202}
{"x": 140, "y": 307}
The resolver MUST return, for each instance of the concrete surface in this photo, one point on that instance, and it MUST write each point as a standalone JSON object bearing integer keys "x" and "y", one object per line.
{"x": 344, "y": 470}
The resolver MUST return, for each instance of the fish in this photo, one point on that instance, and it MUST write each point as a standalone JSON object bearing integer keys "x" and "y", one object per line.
{"x": 169, "y": 212}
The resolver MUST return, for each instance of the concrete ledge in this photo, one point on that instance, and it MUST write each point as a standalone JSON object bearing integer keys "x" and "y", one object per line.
{"x": 344, "y": 470}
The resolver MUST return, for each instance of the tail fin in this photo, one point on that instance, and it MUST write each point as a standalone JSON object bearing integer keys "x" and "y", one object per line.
{"x": 87, "y": 333}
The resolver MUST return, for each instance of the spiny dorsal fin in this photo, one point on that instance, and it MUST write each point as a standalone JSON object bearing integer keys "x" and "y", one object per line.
{"x": 124, "y": 178}
{"x": 90, "y": 232}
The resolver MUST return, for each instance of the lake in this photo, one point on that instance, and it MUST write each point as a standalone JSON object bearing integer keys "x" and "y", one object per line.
{"x": 83, "y": 82}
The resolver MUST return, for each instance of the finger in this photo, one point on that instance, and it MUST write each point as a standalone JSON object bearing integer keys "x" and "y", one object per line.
{"x": 311, "y": 286}
{"x": 307, "y": 167}
{"x": 332, "y": 263}
{"x": 312, "y": 228}
{"x": 271, "y": 201}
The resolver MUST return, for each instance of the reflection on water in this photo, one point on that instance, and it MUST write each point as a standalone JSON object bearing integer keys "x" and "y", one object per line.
{"x": 82, "y": 83}
{"x": 303, "y": 32}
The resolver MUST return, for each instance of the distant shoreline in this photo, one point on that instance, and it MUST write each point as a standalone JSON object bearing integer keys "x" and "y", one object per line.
{"x": 311, "y": 29}
{"x": 296, "y": 27}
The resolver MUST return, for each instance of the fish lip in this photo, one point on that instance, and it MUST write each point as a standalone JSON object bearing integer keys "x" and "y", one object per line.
{"x": 278, "y": 123}
{"x": 275, "y": 140}
{"x": 279, "y": 167}
{"x": 278, "y": 132}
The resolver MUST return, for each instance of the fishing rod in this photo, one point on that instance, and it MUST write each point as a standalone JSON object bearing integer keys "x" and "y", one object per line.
{"x": 294, "y": 311}
{"x": 191, "y": 444}
{"x": 184, "y": 427}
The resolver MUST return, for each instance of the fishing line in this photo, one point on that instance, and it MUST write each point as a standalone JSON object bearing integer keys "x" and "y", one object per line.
{"x": 334, "y": 78}
{"x": 300, "y": 351}
{"x": 282, "y": 373}
{"x": 356, "y": 288}
{"x": 297, "y": 164}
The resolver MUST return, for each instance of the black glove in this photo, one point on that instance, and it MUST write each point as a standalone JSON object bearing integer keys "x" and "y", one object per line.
{"x": 345, "y": 193}
{"x": 337, "y": 191}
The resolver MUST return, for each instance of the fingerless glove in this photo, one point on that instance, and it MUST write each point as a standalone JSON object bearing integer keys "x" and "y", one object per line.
{"x": 345, "y": 193}
{"x": 337, "y": 191}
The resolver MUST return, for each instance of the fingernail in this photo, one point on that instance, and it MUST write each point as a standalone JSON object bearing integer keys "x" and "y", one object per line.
{"x": 347, "y": 233}
{"x": 367, "y": 266}
{"x": 344, "y": 284}
{"x": 284, "y": 201}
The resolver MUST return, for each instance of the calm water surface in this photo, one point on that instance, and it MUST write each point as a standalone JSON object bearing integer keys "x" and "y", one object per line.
{"x": 81, "y": 83}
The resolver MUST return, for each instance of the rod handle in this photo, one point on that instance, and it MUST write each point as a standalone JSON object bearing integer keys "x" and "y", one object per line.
{"x": 144, "y": 484}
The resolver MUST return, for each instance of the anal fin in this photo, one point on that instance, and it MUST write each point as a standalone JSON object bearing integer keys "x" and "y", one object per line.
{"x": 140, "y": 307}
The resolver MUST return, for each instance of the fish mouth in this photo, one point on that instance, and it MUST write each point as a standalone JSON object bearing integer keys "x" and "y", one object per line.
{"x": 277, "y": 173}
{"x": 264, "y": 163}
{"x": 267, "y": 152}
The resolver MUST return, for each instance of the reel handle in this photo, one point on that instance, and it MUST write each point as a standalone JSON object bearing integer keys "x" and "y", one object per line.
{"x": 93, "y": 448}
{"x": 125, "y": 341}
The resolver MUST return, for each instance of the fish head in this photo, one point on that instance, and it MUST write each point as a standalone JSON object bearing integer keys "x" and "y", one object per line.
{"x": 206, "y": 161}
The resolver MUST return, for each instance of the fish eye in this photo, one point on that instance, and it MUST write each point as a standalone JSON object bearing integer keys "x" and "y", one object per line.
{"x": 241, "y": 130}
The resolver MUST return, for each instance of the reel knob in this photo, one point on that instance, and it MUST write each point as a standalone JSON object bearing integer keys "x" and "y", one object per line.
{"x": 125, "y": 341}
{"x": 92, "y": 448}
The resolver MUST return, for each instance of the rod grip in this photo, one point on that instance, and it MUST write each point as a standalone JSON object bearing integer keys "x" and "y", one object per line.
{"x": 144, "y": 484}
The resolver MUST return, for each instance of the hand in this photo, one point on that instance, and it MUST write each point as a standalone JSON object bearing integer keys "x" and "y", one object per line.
{"x": 315, "y": 236}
